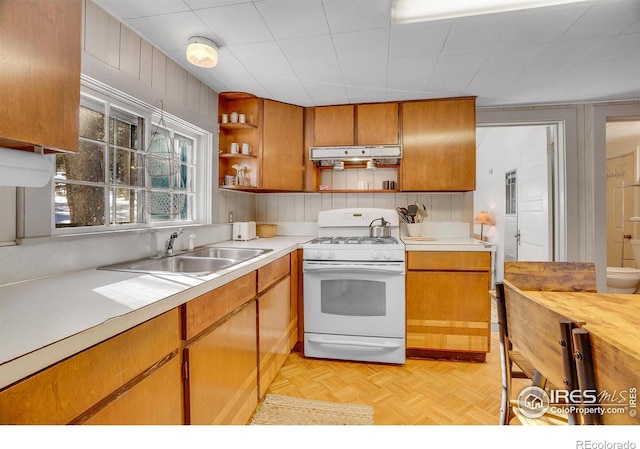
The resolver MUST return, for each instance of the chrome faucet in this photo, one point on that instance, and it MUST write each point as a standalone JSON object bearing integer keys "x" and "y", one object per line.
{"x": 174, "y": 235}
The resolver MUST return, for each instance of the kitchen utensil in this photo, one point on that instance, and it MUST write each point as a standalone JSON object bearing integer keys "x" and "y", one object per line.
{"x": 413, "y": 210}
{"x": 381, "y": 230}
{"x": 402, "y": 212}
{"x": 235, "y": 148}
{"x": 233, "y": 117}
{"x": 246, "y": 148}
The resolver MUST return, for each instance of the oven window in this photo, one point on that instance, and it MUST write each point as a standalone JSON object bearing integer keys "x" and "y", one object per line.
{"x": 351, "y": 297}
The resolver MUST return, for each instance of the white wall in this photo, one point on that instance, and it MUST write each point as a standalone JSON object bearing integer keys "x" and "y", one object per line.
{"x": 498, "y": 151}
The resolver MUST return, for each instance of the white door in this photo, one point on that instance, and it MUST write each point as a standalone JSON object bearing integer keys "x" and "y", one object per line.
{"x": 534, "y": 195}
{"x": 620, "y": 169}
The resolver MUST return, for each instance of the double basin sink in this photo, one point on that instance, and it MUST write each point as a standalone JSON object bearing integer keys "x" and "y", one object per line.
{"x": 199, "y": 262}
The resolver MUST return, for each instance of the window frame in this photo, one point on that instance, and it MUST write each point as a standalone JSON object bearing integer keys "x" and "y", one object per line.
{"x": 202, "y": 163}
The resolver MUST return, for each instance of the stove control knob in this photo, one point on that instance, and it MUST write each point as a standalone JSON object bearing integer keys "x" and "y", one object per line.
{"x": 327, "y": 254}
{"x": 388, "y": 254}
{"x": 375, "y": 255}
{"x": 317, "y": 254}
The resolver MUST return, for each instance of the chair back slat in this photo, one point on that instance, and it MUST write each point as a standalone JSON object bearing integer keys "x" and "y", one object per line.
{"x": 534, "y": 331}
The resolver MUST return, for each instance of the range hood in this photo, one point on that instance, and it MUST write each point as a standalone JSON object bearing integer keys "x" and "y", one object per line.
{"x": 380, "y": 154}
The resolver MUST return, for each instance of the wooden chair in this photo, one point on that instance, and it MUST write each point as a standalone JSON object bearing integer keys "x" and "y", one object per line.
{"x": 609, "y": 370}
{"x": 538, "y": 276}
{"x": 542, "y": 338}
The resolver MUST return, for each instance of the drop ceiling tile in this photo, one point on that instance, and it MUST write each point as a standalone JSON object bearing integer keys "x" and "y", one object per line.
{"x": 357, "y": 15}
{"x": 562, "y": 54}
{"x": 170, "y": 32}
{"x": 142, "y": 8}
{"x": 479, "y": 32}
{"x": 541, "y": 25}
{"x": 413, "y": 39}
{"x": 288, "y": 90}
{"x": 313, "y": 58}
{"x": 235, "y": 24}
{"x": 513, "y": 57}
{"x": 464, "y": 61}
{"x": 361, "y": 45}
{"x": 293, "y": 18}
{"x": 618, "y": 47}
{"x": 326, "y": 93}
{"x": 263, "y": 58}
{"x": 370, "y": 74}
{"x": 201, "y": 4}
{"x": 606, "y": 18}
{"x": 410, "y": 73}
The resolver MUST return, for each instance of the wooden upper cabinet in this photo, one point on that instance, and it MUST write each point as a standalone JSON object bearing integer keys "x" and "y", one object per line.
{"x": 40, "y": 66}
{"x": 282, "y": 147}
{"x": 333, "y": 125}
{"x": 377, "y": 124}
{"x": 439, "y": 145}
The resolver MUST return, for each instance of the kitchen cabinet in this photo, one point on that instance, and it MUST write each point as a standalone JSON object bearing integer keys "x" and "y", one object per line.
{"x": 275, "y": 324}
{"x": 274, "y": 131}
{"x": 448, "y": 305}
{"x": 220, "y": 333}
{"x": 222, "y": 383}
{"x": 137, "y": 370}
{"x": 362, "y": 124}
{"x": 439, "y": 145}
{"x": 377, "y": 124}
{"x": 40, "y": 82}
{"x": 282, "y": 157}
{"x": 333, "y": 125}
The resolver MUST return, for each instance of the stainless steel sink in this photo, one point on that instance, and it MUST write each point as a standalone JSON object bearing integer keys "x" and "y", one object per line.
{"x": 231, "y": 253}
{"x": 200, "y": 262}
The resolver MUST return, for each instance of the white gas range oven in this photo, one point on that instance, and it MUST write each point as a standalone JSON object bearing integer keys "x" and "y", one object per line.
{"x": 354, "y": 288}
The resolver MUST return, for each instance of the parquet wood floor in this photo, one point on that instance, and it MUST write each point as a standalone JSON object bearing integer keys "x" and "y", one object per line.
{"x": 420, "y": 392}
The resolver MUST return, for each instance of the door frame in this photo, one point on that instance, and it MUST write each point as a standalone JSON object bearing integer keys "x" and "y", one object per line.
{"x": 559, "y": 214}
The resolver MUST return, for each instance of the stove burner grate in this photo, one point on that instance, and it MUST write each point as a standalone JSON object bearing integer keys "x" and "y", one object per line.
{"x": 355, "y": 240}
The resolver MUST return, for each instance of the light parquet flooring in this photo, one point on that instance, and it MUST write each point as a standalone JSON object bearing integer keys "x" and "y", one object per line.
{"x": 420, "y": 392}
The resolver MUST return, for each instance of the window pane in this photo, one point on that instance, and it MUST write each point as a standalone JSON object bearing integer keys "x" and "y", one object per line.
{"x": 85, "y": 165}
{"x": 126, "y": 204}
{"x": 78, "y": 205}
{"x": 92, "y": 121}
{"x": 128, "y": 166}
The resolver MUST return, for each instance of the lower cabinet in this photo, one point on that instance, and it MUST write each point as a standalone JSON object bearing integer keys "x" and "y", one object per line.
{"x": 222, "y": 382}
{"x": 134, "y": 377}
{"x": 448, "y": 305}
{"x": 205, "y": 362}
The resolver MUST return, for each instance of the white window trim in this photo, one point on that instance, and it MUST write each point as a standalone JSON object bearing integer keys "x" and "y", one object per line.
{"x": 35, "y": 214}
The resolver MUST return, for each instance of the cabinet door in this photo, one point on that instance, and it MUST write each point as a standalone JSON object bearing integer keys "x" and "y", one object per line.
{"x": 40, "y": 82}
{"x": 282, "y": 147}
{"x": 333, "y": 125}
{"x": 99, "y": 373}
{"x": 274, "y": 331}
{"x": 439, "y": 145}
{"x": 448, "y": 310}
{"x": 377, "y": 124}
{"x": 155, "y": 400}
{"x": 222, "y": 384}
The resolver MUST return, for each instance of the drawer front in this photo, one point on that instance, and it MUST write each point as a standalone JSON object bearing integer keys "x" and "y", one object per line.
{"x": 61, "y": 393}
{"x": 269, "y": 274}
{"x": 206, "y": 310}
{"x": 449, "y": 260}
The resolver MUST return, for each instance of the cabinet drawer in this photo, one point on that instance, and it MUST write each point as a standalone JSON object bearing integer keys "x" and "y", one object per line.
{"x": 61, "y": 393}
{"x": 267, "y": 275}
{"x": 203, "y": 311}
{"x": 449, "y": 260}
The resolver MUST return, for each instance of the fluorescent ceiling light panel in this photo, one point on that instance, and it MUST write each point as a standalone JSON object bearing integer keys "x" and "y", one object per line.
{"x": 410, "y": 11}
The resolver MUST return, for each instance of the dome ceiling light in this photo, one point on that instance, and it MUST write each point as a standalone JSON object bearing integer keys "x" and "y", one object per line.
{"x": 202, "y": 52}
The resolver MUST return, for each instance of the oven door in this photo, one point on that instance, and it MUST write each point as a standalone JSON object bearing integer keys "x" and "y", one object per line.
{"x": 354, "y": 298}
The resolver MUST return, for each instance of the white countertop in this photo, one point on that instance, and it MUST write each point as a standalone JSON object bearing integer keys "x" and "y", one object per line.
{"x": 446, "y": 244}
{"x": 46, "y": 320}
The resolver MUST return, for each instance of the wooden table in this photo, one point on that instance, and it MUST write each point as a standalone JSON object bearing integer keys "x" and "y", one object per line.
{"x": 613, "y": 322}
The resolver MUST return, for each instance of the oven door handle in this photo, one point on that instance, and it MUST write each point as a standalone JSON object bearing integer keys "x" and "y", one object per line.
{"x": 385, "y": 345}
{"x": 355, "y": 268}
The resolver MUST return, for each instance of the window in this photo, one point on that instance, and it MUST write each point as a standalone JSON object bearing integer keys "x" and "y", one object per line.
{"x": 511, "y": 200}
{"x": 135, "y": 167}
